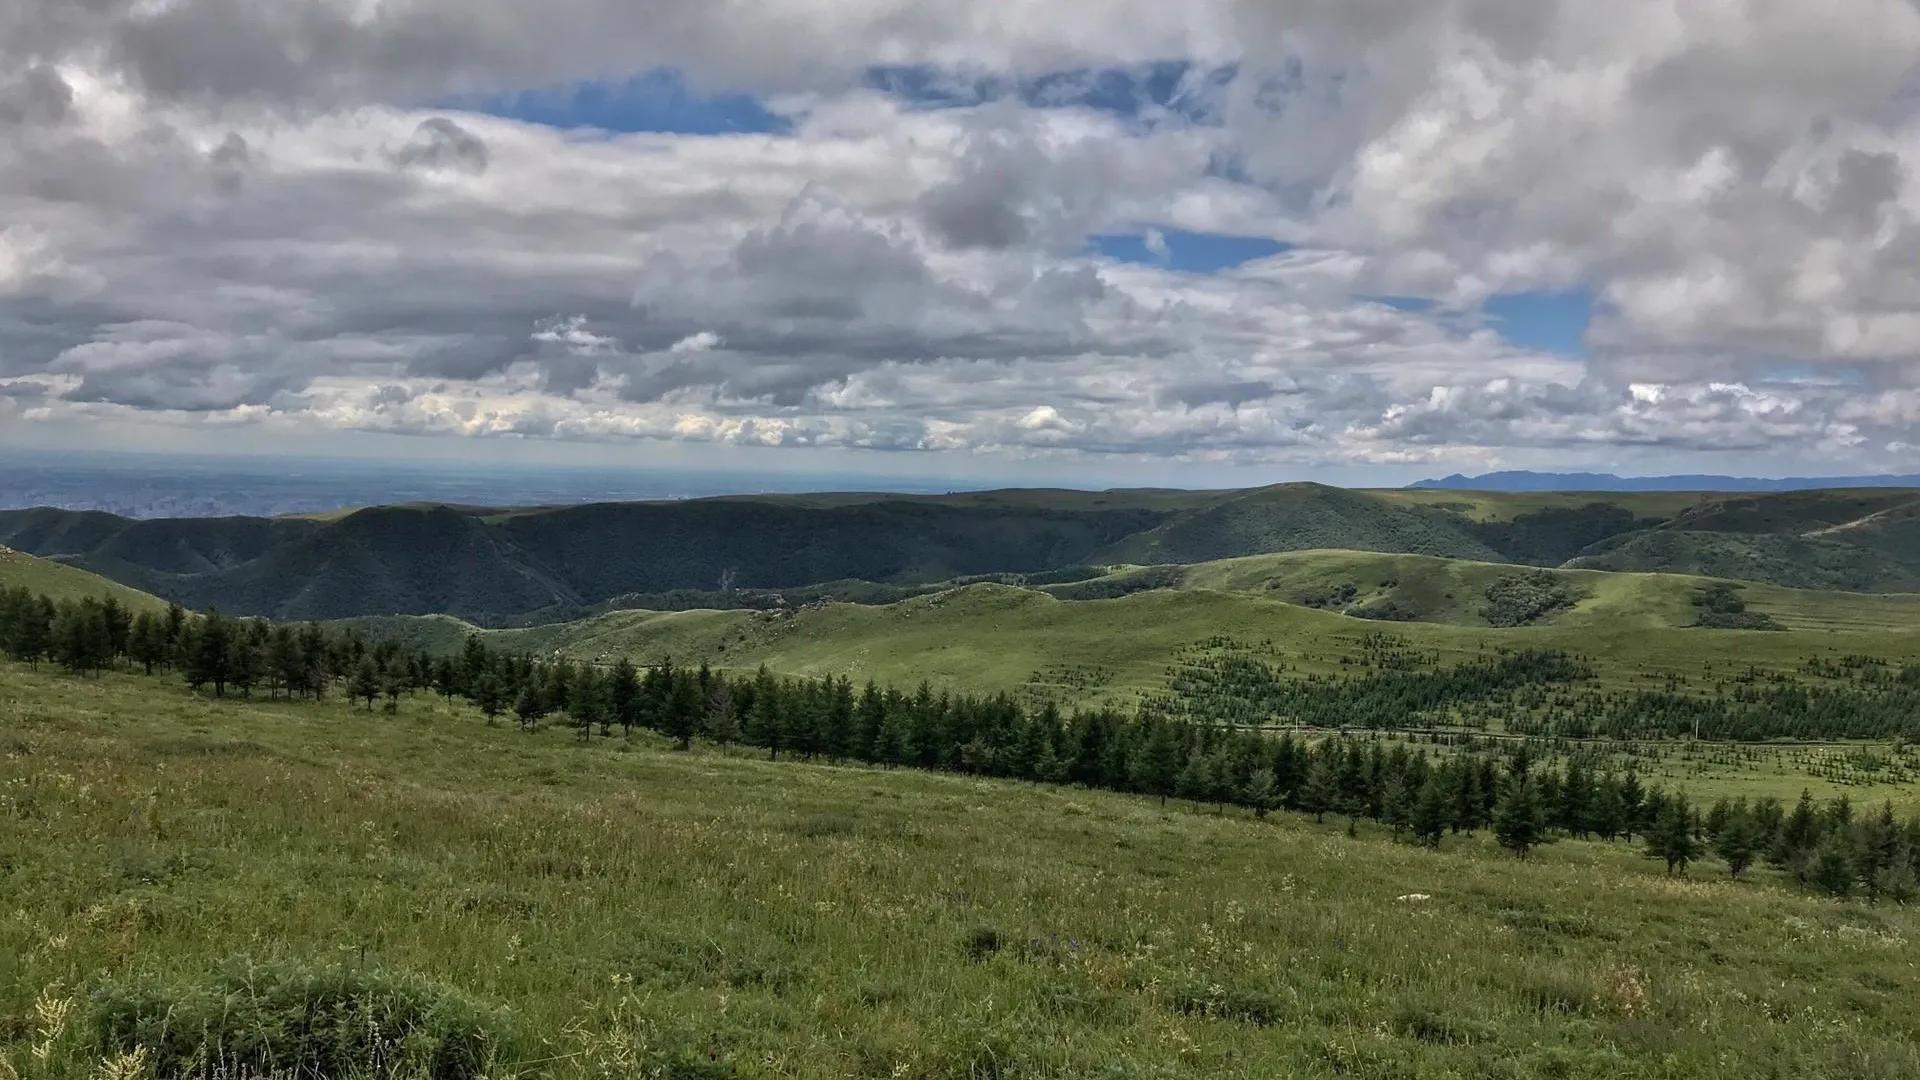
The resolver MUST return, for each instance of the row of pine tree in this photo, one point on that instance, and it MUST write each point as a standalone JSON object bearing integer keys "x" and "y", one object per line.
{"x": 1422, "y": 796}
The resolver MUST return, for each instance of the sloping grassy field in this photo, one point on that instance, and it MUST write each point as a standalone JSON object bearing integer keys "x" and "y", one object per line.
{"x": 640, "y": 912}
{"x": 992, "y": 637}
{"x": 64, "y": 582}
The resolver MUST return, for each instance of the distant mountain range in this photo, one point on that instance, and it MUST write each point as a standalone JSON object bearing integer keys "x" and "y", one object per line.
{"x": 1522, "y": 480}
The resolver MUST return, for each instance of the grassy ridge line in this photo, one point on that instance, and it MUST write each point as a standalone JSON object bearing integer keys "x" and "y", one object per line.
{"x": 62, "y": 582}
{"x": 1453, "y": 590}
{"x": 759, "y": 919}
{"x": 1486, "y": 506}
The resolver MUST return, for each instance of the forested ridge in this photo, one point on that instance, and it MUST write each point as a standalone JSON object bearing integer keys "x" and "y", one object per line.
{"x": 504, "y": 566}
{"x": 1159, "y": 750}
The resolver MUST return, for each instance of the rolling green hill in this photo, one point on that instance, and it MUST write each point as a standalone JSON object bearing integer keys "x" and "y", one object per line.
{"x": 1636, "y": 628}
{"x": 62, "y": 582}
{"x": 510, "y": 566}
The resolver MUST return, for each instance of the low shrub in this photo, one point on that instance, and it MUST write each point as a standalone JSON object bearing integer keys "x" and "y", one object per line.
{"x": 982, "y": 942}
{"x": 1387, "y": 610}
{"x": 293, "y": 1020}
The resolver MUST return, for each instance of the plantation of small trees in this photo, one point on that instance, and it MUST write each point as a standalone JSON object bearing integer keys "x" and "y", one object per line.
{"x": 1541, "y": 692}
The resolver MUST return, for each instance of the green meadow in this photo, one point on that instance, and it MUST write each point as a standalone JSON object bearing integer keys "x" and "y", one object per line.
{"x": 616, "y": 908}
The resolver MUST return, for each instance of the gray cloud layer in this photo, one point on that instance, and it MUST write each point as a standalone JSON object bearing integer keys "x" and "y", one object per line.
{"x": 215, "y": 212}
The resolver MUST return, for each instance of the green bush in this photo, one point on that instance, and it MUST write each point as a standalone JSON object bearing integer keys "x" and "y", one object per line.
{"x": 292, "y": 1020}
{"x": 1331, "y": 596}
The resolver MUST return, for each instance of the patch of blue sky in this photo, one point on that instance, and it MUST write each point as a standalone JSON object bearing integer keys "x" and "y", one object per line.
{"x": 1175, "y": 87}
{"x": 1415, "y": 304}
{"x": 1189, "y": 252}
{"x": 656, "y": 101}
{"x": 1549, "y": 321}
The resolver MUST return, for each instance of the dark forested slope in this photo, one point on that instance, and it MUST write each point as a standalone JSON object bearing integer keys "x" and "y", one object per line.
{"x": 503, "y": 565}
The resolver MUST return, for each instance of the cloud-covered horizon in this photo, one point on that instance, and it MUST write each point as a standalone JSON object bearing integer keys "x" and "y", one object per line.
{"x": 1253, "y": 235}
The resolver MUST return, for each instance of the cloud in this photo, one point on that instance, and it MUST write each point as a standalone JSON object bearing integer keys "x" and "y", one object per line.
{"x": 35, "y": 96}
{"x": 439, "y": 143}
{"x": 274, "y": 215}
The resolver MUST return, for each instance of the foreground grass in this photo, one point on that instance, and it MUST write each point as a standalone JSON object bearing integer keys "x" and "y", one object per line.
{"x": 645, "y": 912}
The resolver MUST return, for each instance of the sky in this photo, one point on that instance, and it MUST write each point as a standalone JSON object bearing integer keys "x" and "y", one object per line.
{"x": 1131, "y": 242}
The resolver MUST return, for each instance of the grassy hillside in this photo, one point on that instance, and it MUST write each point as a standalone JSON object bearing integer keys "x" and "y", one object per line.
{"x": 63, "y": 582}
{"x": 623, "y": 910}
{"x": 1292, "y": 517}
{"x": 1634, "y": 627}
{"x": 1804, "y": 562}
{"x": 1454, "y": 591}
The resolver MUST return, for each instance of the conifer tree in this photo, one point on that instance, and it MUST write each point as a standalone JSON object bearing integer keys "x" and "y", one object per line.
{"x": 838, "y": 737}
{"x": 147, "y": 642}
{"x": 1717, "y": 816}
{"x": 1467, "y": 796}
{"x": 1322, "y": 788}
{"x": 1432, "y": 811}
{"x": 1157, "y": 761}
{"x": 1261, "y": 793}
{"x": 1879, "y": 845}
{"x": 1396, "y": 804}
{"x": 1192, "y": 783}
{"x": 1520, "y": 820}
{"x": 117, "y": 621}
{"x": 1799, "y": 832}
{"x": 1574, "y": 810}
{"x": 393, "y": 683}
{"x": 489, "y": 695}
{"x": 1608, "y": 818}
{"x": 722, "y": 722}
{"x": 176, "y": 624}
{"x": 446, "y": 678}
{"x": 1832, "y": 866}
{"x": 890, "y": 739}
{"x": 208, "y": 652}
{"x": 765, "y": 725}
{"x": 529, "y": 705}
{"x": 244, "y": 658}
{"x": 1672, "y": 835}
{"x": 365, "y": 684}
{"x": 681, "y": 713}
{"x": 625, "y": 690}
{"x": 591, "y": 702}
{"x": 868, "y": 715}
{"x": 1735, "y": 842}
{"x": 1632, "y": 806}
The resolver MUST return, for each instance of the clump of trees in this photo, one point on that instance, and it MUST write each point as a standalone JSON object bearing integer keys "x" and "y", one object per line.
{"x": 1522, "y": 599}
{"x": 1420, "y": 796}
{"x": 1718, "y": 606}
